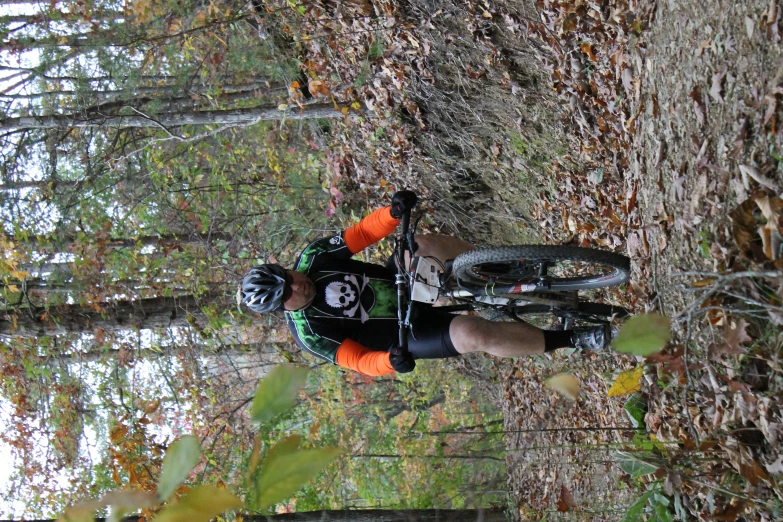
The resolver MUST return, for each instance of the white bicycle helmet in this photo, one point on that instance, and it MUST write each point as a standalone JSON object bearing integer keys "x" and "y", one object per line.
{"x": 262, "y": 288}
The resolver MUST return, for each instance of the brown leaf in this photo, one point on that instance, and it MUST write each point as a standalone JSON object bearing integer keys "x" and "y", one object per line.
{"x": 771, "y": 241}
{"x": 666, "y": 355}
{"x": 698, "y": 104}
{"x": 628, "y": 81}
{"x": 742, "y": 461}
{"x": 734, "y": 335}
{"x": 317, "y": 87}
{"x": 772, "y": 18}
{"x": 566, "y": 501}
{"x": 772, "y": 107}
{"x": 754, "y": 173}
{"x": 739, "y": 141}
{"x": 716, "y": 88}
{"x": 588, "y": 50}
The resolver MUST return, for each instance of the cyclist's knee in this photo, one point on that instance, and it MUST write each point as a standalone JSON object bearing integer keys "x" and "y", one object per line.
{"x": 469, "y": 333}
{"x": 441, "y": 247}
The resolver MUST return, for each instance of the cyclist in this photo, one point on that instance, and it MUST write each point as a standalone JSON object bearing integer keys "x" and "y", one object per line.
{"x": 345, "y": 311}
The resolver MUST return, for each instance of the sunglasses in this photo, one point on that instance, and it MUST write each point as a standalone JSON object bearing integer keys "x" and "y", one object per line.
{"x": 288, "y": 289}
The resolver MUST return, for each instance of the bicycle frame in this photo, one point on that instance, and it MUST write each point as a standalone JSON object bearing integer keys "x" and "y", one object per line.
{"x": 502, "y": 298}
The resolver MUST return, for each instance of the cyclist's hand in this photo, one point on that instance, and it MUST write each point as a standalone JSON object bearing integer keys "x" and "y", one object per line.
{"x": 402, "y": 201}
{"x": 402, "y": 362}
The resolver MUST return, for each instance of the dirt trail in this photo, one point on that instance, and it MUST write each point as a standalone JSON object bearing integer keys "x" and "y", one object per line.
{"x": 618, "y": 124}
{"x": 708, "y": 77}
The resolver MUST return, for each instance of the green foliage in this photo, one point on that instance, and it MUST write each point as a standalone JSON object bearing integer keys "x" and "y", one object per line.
{"x": 179, "y": 460}
{"x": 635, "y": 465}
{"x": 376, "y": 48}
{"x": 277, "y": 392}
{"x": 402, "y": 434}
{"x": 636, "y": 407}
{"x": 654, "y": 506}
{"x": 200, "y": 504}
{"x": 286, "y": 471}
{"x": 643, "y": 335}
{"x": 636, "y": 510}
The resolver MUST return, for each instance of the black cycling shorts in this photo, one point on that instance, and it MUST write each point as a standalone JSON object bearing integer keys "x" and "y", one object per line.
{"x": 430, "y": 338}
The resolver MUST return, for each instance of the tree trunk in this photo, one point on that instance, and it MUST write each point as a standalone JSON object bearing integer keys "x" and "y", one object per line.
{"x": 367, "y": 515}
{"x": 142, "y": 314}
{"x": 20, "y": 185}
{"x": 65, "y": 243}
{"x": 64, "y": 17}
{"x": 247, "y": 90}
{"x": 227, "y": 117}
{"x": 229, "y": 351}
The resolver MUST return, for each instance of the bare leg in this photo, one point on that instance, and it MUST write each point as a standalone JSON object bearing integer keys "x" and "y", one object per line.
{"x": 440, "y": 247}
{"x": 473, "y": 334}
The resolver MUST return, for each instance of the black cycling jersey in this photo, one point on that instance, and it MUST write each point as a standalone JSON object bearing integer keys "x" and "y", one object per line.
{"x": 353, "y": 299}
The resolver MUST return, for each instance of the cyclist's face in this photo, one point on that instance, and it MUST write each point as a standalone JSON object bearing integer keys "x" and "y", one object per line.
{"x": 302, "y": 291}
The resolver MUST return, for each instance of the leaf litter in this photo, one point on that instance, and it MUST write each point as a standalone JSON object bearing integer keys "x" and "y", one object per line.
{"x": 670, "y": 112}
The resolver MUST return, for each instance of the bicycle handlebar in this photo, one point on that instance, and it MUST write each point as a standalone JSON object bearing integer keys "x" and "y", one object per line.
{"x": 403, "y": 245}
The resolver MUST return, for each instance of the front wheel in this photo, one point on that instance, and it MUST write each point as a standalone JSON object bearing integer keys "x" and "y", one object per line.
{"x": 550, "y": 267}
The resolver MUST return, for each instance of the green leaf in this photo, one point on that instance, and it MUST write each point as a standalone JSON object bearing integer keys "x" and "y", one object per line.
{"x": 679, "y": 510}
{"x": 642, "y": 442}
{"x": 660, "y": 504}
{"x": 277, "y": 391}
{"x": 636, "y": 407}
{"x": 634, "y": 466}
{"x": 282, "y": 476}
{"x": 125, "y": 502}
{"x": 643, "y": 335}
{"x": 179, "y": 460}
{"x": 285, "y": 447}
{"x": 201, "y": 504}
{"x": 635, "y": 512}
{"x": 84, "y": 512}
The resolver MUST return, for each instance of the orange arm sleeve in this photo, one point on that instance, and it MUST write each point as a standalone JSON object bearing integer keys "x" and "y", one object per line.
{"x": 370, "y": 230}
{"x": 353, "y": 355}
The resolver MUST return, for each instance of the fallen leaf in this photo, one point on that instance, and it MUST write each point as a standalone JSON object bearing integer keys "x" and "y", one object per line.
{"x": 775, "y": 467}
{"x": 565, "y": 384}
{"x": 739, "y": 141}
{"x": 717, "y": 86}
{"x": 772, "y": 107}
{"x": 627, "y": 81}
{"x": 588, "y": 50}
{"x": 742, "y": 461}
{"x": 698, "y": 104}
{"x": 627, "y": 383}
{"x": 762, "y": 180}
{"x": 772, "y": 19}
{"x": 566, "y": 501}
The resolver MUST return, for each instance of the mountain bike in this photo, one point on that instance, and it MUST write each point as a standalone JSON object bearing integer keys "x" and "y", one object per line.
{"x": 537, "y": 284}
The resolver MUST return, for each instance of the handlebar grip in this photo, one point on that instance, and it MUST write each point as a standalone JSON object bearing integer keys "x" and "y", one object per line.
{"x": 406, "y": 221}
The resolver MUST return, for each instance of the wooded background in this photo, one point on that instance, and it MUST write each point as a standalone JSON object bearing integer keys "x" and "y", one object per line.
{"x": 152, "y": 151}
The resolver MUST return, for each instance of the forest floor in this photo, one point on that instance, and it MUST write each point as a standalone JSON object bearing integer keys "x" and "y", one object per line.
{"x": 647, "y": 128}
